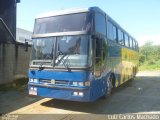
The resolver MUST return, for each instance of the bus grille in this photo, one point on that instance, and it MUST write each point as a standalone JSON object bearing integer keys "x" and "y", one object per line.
{"x": 57, "y": 82}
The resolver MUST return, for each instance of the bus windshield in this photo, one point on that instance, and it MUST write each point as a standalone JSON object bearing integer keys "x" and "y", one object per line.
{"x": 65, "y": 50}
{"x": 63, "y": 23}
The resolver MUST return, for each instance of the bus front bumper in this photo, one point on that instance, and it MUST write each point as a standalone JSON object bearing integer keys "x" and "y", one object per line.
{"x": 60, "y": 92}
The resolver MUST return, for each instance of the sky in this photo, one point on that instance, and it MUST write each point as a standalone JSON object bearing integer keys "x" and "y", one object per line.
{"x": 140, "y": 18}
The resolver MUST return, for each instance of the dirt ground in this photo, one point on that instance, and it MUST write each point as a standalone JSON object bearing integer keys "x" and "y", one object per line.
{"x": 141, "y": 96}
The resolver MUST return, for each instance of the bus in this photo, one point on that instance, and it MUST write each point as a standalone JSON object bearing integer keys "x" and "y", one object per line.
{"x": 80, "y": 55}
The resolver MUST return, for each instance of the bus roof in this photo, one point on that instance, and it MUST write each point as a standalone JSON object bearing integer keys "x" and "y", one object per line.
{"x": 69, "y": 11}
{"x": 79, "y": 10}
{"x": 62, "y": 12}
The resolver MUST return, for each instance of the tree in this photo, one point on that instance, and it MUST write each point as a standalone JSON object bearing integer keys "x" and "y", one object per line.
{"x": 149, "y": 53}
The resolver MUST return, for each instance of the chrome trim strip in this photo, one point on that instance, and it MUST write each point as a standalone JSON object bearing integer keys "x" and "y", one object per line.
{"x": 59, "y": 87}
{"x": 59, "y": 34}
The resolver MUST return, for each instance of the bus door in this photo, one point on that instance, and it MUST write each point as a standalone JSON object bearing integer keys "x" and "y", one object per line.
{"x": 100, "y": 56}
{"x": 100, "y": 44}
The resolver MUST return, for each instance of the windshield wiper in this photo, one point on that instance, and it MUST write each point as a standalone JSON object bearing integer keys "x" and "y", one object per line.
{"x": 48, "y": 56}
{"x": 64, "y": 61}
{"x": 41, "y": 65}
{"x": 59, "y": 53}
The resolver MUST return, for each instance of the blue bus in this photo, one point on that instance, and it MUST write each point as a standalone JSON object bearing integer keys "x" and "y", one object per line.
{"x": 80, "y": 55}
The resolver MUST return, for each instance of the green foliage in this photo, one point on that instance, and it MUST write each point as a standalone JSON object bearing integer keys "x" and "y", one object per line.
{"x": 146, "y": 66}
{"x": 149, "y": 56}
{"x": 151, "y": 62}
{"x": 141, "y": 59}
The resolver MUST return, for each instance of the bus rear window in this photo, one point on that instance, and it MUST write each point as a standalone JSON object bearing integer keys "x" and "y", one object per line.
{"x": 63, "y": 23}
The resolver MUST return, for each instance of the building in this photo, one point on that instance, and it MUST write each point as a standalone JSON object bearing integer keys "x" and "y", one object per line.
{"x": 14, "y": 60}
{"x": 23, "y": 35}
{"x": 7, "y": 19}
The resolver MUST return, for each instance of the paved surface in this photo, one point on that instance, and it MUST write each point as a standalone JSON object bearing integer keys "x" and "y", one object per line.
{"x": 141, "y": 95}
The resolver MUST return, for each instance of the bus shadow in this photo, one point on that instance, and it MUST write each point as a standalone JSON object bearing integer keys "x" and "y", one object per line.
{"x": 139, "y": 95}
{"x": 14, "y": 100}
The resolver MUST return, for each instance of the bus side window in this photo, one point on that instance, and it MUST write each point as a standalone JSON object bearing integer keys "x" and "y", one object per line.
{"x": 126, "y": 40}
{"x": 137, "y": 47}
{"x": 120, "y": 37}
{"x": 133, "y": 44}
{"x": 112, "y": 32}
{"x": 100, "y": 23}
{"x": 130, "y": 41}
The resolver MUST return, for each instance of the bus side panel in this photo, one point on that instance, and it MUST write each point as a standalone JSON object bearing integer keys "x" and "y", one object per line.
{"x": 98, "y": 88}
{"x": 129, "y": 63}
{"x": 123, "y": 62}
{"x": 114, "y": 62}
{"x": 126, "y": 65}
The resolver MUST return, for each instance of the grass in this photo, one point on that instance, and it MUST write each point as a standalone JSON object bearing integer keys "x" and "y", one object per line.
{"x": 150, "y": 65}
{"x": 18, "y": 84}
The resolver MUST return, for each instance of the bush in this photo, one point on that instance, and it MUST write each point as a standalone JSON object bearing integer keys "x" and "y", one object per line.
{"x": 151, "y": 62}
{"x": 141, "y": 59}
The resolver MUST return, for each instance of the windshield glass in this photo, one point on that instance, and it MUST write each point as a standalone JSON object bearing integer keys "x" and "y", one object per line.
{"x": 73, "y": 51}
{"x": 70, "y": 51}
{"x": 42, "y": 49}
{"x": 63, "y": 23}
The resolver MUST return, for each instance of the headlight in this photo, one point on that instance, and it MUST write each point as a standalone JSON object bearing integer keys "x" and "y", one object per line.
{"x": 35, "y": 89}
{"x": 81, "y": 94}
{"x": 31, "y": 88}
{"x": 33, "y": 80}
{"x": 87, "y": 83}
{"x": 81, "y": 84}
{"x": 75, "y": 93}
{"x": 75, "y": 83}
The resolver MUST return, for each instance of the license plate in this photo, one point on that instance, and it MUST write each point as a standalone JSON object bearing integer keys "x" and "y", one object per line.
{"x": 32, "y": 92}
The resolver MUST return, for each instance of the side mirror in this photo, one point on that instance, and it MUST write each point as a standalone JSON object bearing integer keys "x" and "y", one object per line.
{"x": 26, "y": 45}
{"x": 93, "y": 36}
{"x": 96, "y": 36}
